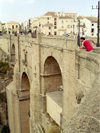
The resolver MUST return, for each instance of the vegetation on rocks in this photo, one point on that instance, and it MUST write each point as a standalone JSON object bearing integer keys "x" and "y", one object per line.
{"x": 4, "y": 66}
{"x": 5, "y": 129}
{"x": 2, "y": 97}
{"x": 4, "y": 81}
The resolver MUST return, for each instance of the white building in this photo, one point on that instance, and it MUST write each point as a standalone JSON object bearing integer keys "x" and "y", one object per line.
{"x": 88, "y": 26}
{"x": 25, "y": 26}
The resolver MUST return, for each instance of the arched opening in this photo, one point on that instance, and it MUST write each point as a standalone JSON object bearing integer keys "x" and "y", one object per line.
{"x": 25, "y": 86}
{"x": 52, "y": 82}
{"x": 13, "y": 53}
{"x": 52, "y": 75}
{"x": 24, "y": 97}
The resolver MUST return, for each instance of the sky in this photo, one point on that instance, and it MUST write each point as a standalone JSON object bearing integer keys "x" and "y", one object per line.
{"x": 22, "y": 10}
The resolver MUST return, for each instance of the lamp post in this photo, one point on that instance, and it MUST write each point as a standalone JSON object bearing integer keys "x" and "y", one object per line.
{"x": 78, "y": 37}
{"x": 97, "y": 7}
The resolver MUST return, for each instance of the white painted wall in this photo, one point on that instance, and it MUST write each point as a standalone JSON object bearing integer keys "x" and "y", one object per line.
{"x": 89, "y": 26}
{"x": 53, "y": 108}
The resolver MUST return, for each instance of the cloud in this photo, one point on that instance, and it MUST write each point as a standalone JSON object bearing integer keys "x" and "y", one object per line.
{"x": 9, "y": 1}
{"x": 28, "y": 2}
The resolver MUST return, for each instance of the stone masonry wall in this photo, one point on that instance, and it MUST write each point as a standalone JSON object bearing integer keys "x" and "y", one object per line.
{"x": 86, "y": 68}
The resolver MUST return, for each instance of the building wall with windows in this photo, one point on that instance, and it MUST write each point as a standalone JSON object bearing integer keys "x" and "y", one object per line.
{"x": 48, "y": 23}
{"x": 35, "y": 24}
{"x": 52, "y": 23}
{"x": 88, "y": 26}
{"x": 12, "y": 27}
{"x": 67, "y": 25}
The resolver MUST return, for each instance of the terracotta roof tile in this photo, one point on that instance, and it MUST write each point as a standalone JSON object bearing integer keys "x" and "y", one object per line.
{"x": 53, "y": 14}
{"x": 92, "y": 19}
{"x": 80, "y": 17}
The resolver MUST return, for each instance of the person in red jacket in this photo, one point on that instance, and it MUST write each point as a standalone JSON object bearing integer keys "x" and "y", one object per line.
{"x": 86, "y": 44}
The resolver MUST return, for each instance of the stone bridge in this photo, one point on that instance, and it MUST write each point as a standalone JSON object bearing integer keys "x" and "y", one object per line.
{"x": 51, "y": 78}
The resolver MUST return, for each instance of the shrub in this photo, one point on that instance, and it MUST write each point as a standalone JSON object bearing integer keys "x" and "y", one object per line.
{"x": 4, "y": 66}
{"x": 2, "y": 97}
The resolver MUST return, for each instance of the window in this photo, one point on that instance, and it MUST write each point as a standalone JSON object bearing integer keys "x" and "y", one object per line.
{"x": 55, "y": 33}
{"x": 62, "y": 27}
{"x": 68, "y": 26}
{"x": 55, "y": 23}
{"x": 92, "y": 24}
{"x": 49, "y": 33}
{"x": 49, "y": 27}
{"x": 82, "y": 33}
{"x": 39, "y": 24}
{"x": 92, "y": 34}
{"x": 84, "y": 25}
{"x": 73, "y": 26}
{"x": 47, "y": 18}
{"x": 55, "y": 19}
{"x": 12, "y": 26}
{"x": 62, "y": 21}
{"x": 16, "y": 26}
{"x": 92, "y": 30}
{"x": 55, "y": 27}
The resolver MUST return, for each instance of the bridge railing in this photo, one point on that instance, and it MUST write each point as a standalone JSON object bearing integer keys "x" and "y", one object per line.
{"x": 69, "y": 43}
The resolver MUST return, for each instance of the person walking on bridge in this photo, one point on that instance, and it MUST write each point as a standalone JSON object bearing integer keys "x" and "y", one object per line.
{"x": 86, "y": 44}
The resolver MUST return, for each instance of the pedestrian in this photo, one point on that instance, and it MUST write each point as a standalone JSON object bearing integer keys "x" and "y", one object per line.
{"x": 86, "y": 44}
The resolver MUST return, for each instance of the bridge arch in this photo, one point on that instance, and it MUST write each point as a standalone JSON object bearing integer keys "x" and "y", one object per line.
{"x": 25, "y": 85}
{"x": 25, "y": 103}
{"x": 52, "y": 75}
{"x": 51, "y": 80}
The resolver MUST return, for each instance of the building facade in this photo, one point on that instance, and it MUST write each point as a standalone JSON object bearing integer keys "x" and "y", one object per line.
{"x": 53, "y": 23}
{"x": 88, "y": 26}
{"x": 12, "y": 27}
